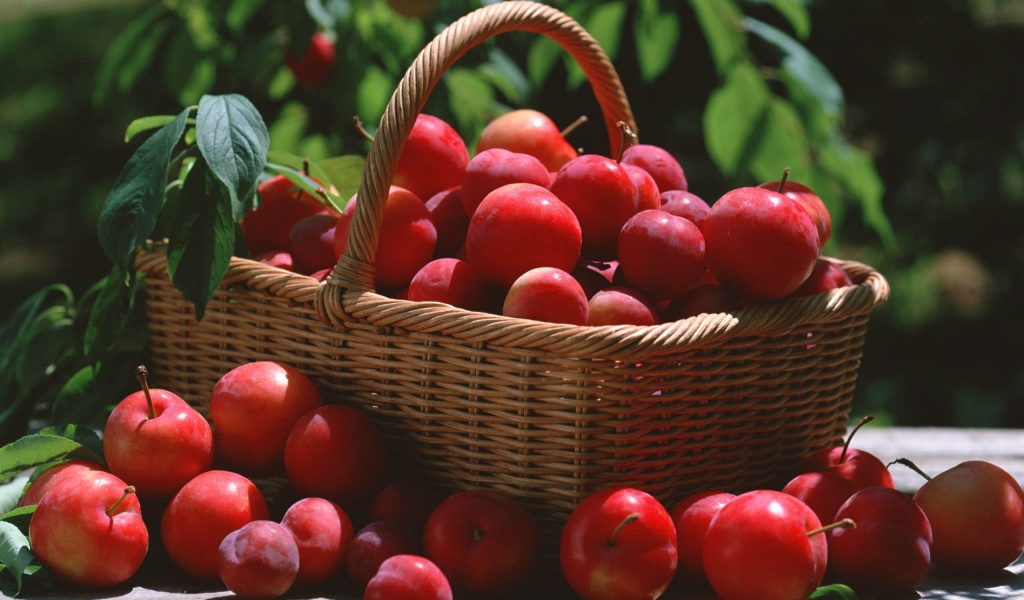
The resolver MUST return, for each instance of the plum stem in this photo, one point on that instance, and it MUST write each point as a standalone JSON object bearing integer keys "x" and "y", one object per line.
{"x": 128, "y": 490}
{"x": 782, "y": 182}
{"x": 571, "y": 127}
{"x": 631, "y": 518}
{"x": 627, "y": 134}
{"x": 320, "y": 191}
{"x": 846, "y": 446}
{"x": 477, "y": 534}
{"x": 358, "y": 124}
{"x": 847, "y": 522}
{"x": 906, "y": 462}
{"x": 141, "y": 373}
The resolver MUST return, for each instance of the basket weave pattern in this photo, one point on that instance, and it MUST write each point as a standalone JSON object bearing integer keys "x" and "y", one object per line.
{"x": 545, "y": 412}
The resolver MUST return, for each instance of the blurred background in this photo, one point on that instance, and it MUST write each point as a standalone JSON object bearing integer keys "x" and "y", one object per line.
{"x": 907, "y": 118}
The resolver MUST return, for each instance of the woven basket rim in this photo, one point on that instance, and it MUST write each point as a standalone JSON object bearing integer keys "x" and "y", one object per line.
{"x": 870, "y": 290}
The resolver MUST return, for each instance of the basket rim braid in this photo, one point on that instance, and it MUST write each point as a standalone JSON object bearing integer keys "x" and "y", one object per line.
{"x": 348, "y": 293}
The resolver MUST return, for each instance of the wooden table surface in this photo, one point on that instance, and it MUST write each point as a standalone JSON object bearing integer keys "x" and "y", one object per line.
{"x": 934, "y": 450}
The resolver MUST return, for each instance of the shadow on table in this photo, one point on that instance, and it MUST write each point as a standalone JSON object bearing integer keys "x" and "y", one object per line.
{"x": 1008, "y": 583}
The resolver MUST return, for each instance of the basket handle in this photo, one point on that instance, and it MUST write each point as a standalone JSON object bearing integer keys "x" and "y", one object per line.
{"x": 355, "y": 268}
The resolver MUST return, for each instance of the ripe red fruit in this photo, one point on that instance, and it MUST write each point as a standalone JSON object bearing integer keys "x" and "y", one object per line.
{"x": 663, "y": 167}
{"x": 259, "y": 560}
{"x": 322, "y": 532}
{"x": 374, "y": 544}
{"x": 450, "y": 220}
{"x": 617, "y": 305}
{"x": 408, "y": 577}
{"x": 709, "y": 298}
{"x": 406, "y": 239}
{"x": 51, "y": 476}
{"x": 547, "y": 294}
{"x": 528, "y": 132}
{"x": 484, "y": 542}
{"x": 660, "y": 254}
{"x": 594, "y": 276}
{"x": 451, "y": 281}
{"x": 618, "y": 544}
{"x": 519, "y": 227}
{"x": 314, "y": 67}
{"x": 312, "y": 244}
{"x": 491, "y": 169}
{"x": 760, "y": 244}
{"x": 976, "y": 511}
{"x": 888, "y": 551}
{"x": 253, "y": 407}
{"x": 811, "y": 202}
{"x": 433, "y": 159}
{"x": 406, "y": 503}
{"x": 759, "y": 546}
{"x": 282, "y": 259}
{"x": 684, "y": 204}
{"x": 281, "y": 204}
{"x": 825, "y": 276}
{"x": 157, "y": 441}
{"x": 692, "y": 515}
{"x": 862, "y": 468}
{"x": 823, "y": 491}
{"x": 602, "y": 196}
{"x": 647, "y": 195}
{"x": 206, "y": 509}
{"x": 336, "y": 452}
{"x": 88, "y": 530}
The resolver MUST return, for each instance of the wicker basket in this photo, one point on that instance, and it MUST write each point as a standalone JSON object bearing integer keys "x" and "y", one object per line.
{"x": 545, "y": 412}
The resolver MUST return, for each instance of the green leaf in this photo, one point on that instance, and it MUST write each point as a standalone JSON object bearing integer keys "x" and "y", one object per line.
{"x": 73, "y": 400}
{"x": 374, "y": 92}
{"x": 122, "y": 49}
{"x": 14, "y": 331}
{"x": 200, "y": 81}
{"x": 471, "y": 98}
{"x": 83, "y": 435}
{"x": 291, "y": 166}
{"x": 37, "y": 449}
{"x": 287, "y": 130}
{"x": 203, "y": 237}
{"x": 15, "y": 553}
{"x": 234, "y": 141}
{"x": 794, "y": 11}
{"x": 131, "y": 209}
{"x": 240, "y": 12}
{"x": 48, "y": 344}
{"x": 836, "y": 591}
{"x": 801, "y": 68}
{"x": 504, "y": 74}
{"x": 10, "y": 495}
{"x": 857, "y": 171}
{"x": 781, "y": 143}
{"x": 108, "y": 313}
{"x": 146, "y": 123}
{"x": 720, "y": 22}
{"x": 657, "y": 35}
{"x": 345, "y": 173}
{"x": 733, "y": 115}
{"x": 19, "y": 516}
{"x": 543, "y": 55}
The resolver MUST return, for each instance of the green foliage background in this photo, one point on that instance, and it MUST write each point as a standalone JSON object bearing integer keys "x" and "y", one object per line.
{"x": 911, "y": 107}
